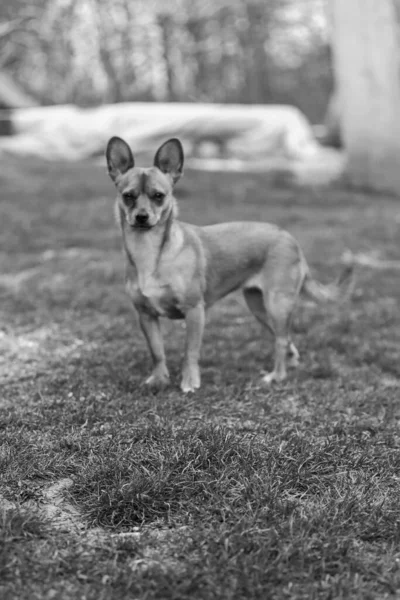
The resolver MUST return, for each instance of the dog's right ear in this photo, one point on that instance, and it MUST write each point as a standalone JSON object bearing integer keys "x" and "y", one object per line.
{"x": 119, "y": 157}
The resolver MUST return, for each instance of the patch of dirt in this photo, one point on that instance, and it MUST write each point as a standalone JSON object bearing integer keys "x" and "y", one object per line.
{"x": 62, "y": 516}
{"x": 52, "y": 507}
{"x": 55, "y": 509}
{"x": 27, "y": 353}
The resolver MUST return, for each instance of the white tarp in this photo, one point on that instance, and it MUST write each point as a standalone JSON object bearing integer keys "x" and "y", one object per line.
{"x": 214, "y": 135}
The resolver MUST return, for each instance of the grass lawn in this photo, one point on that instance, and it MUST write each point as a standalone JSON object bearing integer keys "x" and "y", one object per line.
{"x": 110, "y": 491}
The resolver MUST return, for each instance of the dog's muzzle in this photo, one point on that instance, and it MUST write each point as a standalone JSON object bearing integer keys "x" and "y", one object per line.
{"x": 142, "y": 219}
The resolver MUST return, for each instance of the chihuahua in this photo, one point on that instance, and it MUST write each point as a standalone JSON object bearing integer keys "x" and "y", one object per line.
{"x": 177, "y": 270}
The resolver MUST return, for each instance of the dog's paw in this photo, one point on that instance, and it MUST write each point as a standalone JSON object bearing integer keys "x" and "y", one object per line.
{"x": 159, "y": 379}
{"x": 190, "y": 380}
{"x": 272, "y": 377}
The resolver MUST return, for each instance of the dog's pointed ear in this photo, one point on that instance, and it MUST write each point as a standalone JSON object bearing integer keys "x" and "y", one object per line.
{"x": 119, "y": 157}
{"x": 169, "y": 158}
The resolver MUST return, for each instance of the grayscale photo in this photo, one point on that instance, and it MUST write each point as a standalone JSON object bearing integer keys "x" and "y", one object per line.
{"x": 199, "y": 299}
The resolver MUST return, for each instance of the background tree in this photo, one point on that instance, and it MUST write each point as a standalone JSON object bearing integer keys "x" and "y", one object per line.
{"x": 365, "y": 43}
{"x": 92, "y": 51}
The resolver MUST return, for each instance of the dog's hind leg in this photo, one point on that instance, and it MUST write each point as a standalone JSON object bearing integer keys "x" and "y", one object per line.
{"x": 279, "y": 306}
{"x": 255, "y": 302}
{"x": 274, "y": 312}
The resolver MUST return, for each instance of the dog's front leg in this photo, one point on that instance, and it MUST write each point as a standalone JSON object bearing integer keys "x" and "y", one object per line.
{"x": 152, "y": 331}
{"x": 195, "y": 318}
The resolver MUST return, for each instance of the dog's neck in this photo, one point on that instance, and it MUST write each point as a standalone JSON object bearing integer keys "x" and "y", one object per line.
{"x": 145, "y": 247}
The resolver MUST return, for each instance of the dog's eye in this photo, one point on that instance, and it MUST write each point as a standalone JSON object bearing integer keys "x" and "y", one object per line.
{"x": 158, "y": 196}
{"x": 129, "y": 199}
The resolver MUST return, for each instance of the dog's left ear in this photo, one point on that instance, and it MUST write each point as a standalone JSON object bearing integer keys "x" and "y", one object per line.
{"x": 119, "y": 157}
{"x": 169, "y": 158}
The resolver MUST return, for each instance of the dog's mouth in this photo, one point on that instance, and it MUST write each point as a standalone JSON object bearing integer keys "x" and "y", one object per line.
{"x": 143, "y": 226}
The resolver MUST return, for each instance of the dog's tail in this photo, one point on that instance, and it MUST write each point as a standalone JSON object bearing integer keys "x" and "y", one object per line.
{"x": 338, "y": 291}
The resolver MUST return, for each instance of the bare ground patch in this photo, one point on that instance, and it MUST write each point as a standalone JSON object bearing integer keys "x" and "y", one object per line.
{"x": 159, "y": 544}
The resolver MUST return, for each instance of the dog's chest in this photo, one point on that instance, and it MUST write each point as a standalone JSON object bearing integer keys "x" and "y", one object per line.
{"x": 162, "y": 298}
{"x": 157, "y": 284}
{"x": 157, "y": 297}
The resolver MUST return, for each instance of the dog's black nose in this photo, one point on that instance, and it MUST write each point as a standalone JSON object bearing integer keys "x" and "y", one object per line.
{"x": 142, "y": 218}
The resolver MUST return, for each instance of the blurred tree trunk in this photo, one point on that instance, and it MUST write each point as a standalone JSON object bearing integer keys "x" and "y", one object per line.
{"x": 366, "y": 60}
{"x": 107, "y": 36}
{"x": 257, "y": 33}
{"x": 167, "y": 30}
{"x": 195, "y": 27}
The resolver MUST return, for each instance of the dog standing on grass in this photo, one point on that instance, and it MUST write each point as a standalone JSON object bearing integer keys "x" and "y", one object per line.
{"x": 177, "y": 270}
